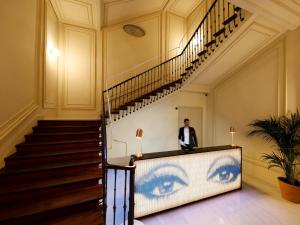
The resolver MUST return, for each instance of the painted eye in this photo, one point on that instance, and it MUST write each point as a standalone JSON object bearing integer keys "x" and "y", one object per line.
{"x": 162, "y": 181}
{"x": 224, "y": 170}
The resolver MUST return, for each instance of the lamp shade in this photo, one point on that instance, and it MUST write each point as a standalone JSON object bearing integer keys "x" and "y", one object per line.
{"x": 139, "y": 133}
{"x": 232, "y": 130}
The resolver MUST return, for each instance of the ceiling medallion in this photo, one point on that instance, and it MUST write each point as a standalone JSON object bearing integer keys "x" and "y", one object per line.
{"x": 134, "y": 30}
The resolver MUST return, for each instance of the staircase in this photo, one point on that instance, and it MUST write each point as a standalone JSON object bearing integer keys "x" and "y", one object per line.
{"x": 220, "y": 21}
{"x": 53, "y": 178}
{"x": 56, "y": 175}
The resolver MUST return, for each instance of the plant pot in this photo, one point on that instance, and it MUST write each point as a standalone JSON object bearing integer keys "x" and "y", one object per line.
{"x": 288, "y": 191}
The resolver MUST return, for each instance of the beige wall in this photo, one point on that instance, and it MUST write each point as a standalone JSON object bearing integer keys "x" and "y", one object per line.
{"x": 51, "y": 60}
{"x": 175, "y": 34}
{"x": 159, "y": 122}
{"x": 125, "y": 55}
{"x": 19, "y": 60}
{"x": 265, "y": 86}
{"x": 293, "y": 70}
{"x": 72, "y": 82}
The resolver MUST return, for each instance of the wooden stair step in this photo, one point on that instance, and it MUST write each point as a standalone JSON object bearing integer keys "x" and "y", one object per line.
{"x": 221, "y": 31}
{"x": 210, "y": 43}
{"x": 50, "y": 166}
{"x": 195, "y": 61}
{"x": 231, "y": 18}
{"x": 34, "y": 174}
{"x": 132, "y": 103}
{"x": 20, "y": 209}
{"x": 34, "y": 159}
{"x": 52, "y": 217}
{"x": 236, "y": 8}
{"x": 124, "y": 107}
{"x": 58, "y": 145}
{"x": 184, "y": 74}
{"x": 69, "y": 122}
{"x": 202, "y": 53}
{"x": 189, "y": 68}
{"x": 41, "y": 137}
{"x": 75, "y": 176}
{"x": 88, "y": 217}
{"x": 54, "y": 153}
{"x": 40, "y": 193}
{"x": 64, "y": 129}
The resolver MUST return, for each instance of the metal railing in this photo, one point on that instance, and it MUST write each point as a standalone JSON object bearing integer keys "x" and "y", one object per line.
{"x": 219, "y": 21}
{"x": 118, "y": 187}
{"x": 118, "y": 181}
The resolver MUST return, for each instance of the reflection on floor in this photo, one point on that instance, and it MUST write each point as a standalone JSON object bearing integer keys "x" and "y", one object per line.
{"x": 246, "y": 207}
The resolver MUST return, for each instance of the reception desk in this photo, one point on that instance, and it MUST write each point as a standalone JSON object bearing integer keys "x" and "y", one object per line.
{"x": 170, "y": 179}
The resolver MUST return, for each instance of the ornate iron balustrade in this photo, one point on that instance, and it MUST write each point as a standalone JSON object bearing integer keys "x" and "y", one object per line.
{"x": 220, "y": 20}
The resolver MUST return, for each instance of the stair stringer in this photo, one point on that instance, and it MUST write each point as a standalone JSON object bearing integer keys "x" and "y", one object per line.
{"x": 251, "y": 37}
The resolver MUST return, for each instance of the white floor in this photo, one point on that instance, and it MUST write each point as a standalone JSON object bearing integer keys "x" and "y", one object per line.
{"x": 246, "y": 207}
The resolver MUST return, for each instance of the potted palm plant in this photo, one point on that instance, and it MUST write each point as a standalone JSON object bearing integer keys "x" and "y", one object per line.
{"x": 284, "y": 132}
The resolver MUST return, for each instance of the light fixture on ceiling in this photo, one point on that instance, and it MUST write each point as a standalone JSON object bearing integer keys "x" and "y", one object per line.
{"x": 134, "y": 30}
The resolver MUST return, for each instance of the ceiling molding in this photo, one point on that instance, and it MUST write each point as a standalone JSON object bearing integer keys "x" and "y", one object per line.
{"x": 177, "y": 7}
{"x": 112, "y": 9}
{"x": 135, "y": 8}
{"x": 85, "y": 13}
{"x": 283, "y": 13}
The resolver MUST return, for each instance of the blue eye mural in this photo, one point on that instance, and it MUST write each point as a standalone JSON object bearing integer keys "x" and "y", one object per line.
{"x": 224, "y": 170}
{"x": 162, "y": 181}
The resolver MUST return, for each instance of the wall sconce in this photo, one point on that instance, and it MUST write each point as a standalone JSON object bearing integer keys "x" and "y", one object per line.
{"x": 139, "y": 135}
{"x": 232, "y": 131}
{"x": 53, "y": 52}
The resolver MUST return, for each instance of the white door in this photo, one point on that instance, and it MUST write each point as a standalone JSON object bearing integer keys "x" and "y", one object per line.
{"x": 195, "y": 115}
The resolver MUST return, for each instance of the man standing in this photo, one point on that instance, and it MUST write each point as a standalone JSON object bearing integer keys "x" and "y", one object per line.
{"x": 187, "y": 136}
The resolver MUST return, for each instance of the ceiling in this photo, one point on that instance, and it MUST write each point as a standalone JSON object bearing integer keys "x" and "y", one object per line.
{"x": 119, "y": 10}
{"x": 85, "y": 13}
{"x": 90, "y": 13}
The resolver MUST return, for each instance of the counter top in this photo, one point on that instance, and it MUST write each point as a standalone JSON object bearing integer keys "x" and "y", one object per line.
{"x": 182, "y": 152}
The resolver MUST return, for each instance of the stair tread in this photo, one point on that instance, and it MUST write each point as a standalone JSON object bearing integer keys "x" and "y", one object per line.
{"x": 24, "y": 209}
{"x": 62, "y": 133}
{"x": 56, "y": 142}
{"x": 52, "y": 153}
{"x": 88, "y": 217}
{"x": 48, "y": 166}
{"x": 71, "y": 120}
{"x": 195, "y": 61}
{"x": 62, "y": 126}
{"x": 231, "y": 18}
{"x": 210, "y": 43}
{"x": 38, "y": 184}
{"x": 202, "y": 53}
{"x": 221, "y": 31}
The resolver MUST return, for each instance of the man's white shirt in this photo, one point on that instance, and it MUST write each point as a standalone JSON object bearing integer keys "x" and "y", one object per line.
{"x": 186, "y": 132}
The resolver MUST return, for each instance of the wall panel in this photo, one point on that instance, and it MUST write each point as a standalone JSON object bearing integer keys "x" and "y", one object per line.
{"x": 176, "y": 29}
{"x": 51, "y": 61}
{"x": 254, "y": 92}
{"x": 79, "y": 81}
{"x": 126, "y": 55}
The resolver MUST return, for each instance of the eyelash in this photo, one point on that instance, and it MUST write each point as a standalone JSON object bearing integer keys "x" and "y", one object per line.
{"x": 156, "y": 183}
{"x": 226, "y": 173}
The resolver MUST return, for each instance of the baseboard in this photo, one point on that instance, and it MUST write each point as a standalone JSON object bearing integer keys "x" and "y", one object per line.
{"x": 13, "y": 131}
{"x": 262, "y": 185}
{"x": 256, "y": 174}
{"x": 14, "y": 121}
